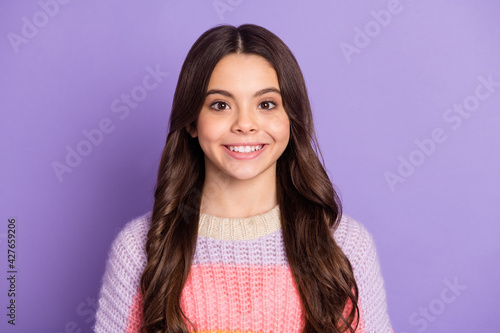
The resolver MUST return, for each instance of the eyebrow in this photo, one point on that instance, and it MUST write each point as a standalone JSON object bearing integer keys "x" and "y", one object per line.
{"x": 228, "y": 94}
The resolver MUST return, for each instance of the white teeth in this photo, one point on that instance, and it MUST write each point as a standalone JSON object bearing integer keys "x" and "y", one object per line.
{"x": 245, "y": 149}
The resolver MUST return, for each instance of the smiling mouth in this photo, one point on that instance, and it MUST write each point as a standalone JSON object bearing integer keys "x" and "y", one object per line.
{"x": 245, "y": 149}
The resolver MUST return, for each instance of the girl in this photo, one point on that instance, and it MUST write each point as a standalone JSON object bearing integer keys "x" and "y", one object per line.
{"x": 247, "y": 232}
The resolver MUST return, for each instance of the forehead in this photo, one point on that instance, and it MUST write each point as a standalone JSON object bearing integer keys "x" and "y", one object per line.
{"x": 239, "y": 71}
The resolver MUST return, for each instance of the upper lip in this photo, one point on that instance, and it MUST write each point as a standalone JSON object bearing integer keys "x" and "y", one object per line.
{"x": 245, "y": 144}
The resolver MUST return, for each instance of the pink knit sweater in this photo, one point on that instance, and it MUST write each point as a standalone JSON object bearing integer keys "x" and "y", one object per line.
{"x": 240, "y": 280}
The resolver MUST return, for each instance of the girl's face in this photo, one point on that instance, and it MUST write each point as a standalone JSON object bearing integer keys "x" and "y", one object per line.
{"x": 242, "y": 126}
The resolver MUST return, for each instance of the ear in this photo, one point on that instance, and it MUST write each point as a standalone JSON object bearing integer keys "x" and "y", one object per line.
{"x": 192, "y": 131}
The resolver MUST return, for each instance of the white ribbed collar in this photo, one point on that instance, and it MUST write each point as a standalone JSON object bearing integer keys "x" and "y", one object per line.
{"x": 246, "y": 228}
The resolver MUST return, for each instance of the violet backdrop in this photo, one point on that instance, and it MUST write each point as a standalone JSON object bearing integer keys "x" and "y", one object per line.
{"x": 405, "y": 97}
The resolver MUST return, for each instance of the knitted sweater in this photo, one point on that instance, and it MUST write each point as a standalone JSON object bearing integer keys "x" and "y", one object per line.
{"x": 240, "y": 280}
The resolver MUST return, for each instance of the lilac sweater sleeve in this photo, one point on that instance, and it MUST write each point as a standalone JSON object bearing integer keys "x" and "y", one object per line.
{"x": 120, "y": 283}
{"x": 358, "y": 245}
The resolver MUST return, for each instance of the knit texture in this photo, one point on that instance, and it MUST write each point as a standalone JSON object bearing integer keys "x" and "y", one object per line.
{"x": 240, "y": 280}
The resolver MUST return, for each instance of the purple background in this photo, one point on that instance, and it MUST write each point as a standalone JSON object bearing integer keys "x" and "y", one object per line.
{"x": 438, "y": 227}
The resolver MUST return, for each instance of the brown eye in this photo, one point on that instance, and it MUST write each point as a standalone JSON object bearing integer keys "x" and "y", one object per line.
{"x": 220, "y": 106}
{"x": 267, "y": 105}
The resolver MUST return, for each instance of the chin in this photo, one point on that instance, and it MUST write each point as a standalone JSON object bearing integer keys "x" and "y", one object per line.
{"x": 243, "y": 177}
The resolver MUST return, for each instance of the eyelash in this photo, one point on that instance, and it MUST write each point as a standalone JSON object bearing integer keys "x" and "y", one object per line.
{"x": 227, "y": 105}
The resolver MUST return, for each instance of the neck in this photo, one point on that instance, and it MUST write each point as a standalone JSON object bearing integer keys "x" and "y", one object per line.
{"x": 236, "y": 198}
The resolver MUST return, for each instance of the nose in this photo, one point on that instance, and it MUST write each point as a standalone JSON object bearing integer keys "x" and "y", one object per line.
{"x": 246, "y": 120}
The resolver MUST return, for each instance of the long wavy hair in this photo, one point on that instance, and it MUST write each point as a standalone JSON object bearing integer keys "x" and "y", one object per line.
{"x": 310, "y": 208}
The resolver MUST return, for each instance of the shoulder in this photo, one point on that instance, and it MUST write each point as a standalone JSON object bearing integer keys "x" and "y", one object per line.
{"x": 136, "y": 229}
{"x": 129, "y": 245}
{"x": 351, "y": 234}
{"x": 356, "y": 242}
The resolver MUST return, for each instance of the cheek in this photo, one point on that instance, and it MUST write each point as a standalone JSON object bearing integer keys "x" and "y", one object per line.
{"x": 280, "y": 126}
{"x": 209, "y": 131}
